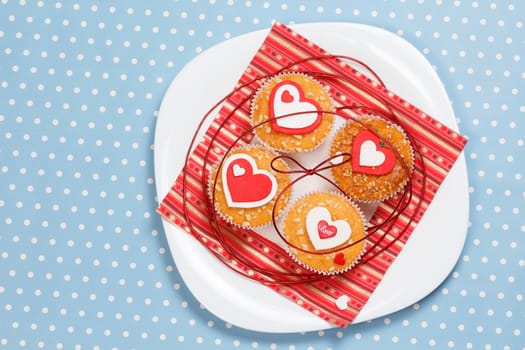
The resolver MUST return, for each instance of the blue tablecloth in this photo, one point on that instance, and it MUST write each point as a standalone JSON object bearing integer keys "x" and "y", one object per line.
{"x": 84, "y": 263}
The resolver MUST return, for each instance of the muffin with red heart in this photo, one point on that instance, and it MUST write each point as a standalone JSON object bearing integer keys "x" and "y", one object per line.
{"x": 244, "y": 186}
{"x": 382, "y": 158}
{"x": 325, "y": 232}
{"x": 292, "y": 112}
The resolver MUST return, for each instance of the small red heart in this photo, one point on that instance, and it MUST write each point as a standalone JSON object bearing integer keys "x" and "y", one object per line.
{"x": 339, "y": 259}
{"x": 325, "y": 230}
{"x": 286, "y": 97}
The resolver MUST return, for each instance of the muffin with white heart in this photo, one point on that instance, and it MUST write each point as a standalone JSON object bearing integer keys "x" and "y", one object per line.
{"x": 325, "y": 232}
{"x": 244, "y": 186}
{"x": 382, "y": 158}
{"x": 292, "y": 112}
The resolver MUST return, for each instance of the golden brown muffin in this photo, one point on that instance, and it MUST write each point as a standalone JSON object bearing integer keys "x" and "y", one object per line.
{"x": 382, "y": 159}
{"x": 290, "y": 107}
{"x": 324, "y": 222}
{"x": 246, "y": 187}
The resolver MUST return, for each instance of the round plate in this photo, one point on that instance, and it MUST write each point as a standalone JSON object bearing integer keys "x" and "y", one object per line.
{"x": 435, "y": 244}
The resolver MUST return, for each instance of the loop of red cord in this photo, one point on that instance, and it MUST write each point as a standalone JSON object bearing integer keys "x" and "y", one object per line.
{"x": 246, "y": 266}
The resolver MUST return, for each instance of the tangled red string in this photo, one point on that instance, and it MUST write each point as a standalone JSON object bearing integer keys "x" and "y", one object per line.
{"x": 246, "y": 266}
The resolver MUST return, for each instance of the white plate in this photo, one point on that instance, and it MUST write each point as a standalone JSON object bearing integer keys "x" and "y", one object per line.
{"x": 427, "y": 258}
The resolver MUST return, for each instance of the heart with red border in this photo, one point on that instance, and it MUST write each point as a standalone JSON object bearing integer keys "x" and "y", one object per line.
{"x": 245, "y": 185}
{"x": 325, "y": 233}
{"x": 370, "y": 156}
{"x": 291, "y": 112}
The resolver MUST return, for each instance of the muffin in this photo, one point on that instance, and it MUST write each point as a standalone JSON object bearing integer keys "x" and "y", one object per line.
{"x": 244, "y": 187}
{"x": 292, "y": 112}
{"x": 382, "y": 159}
{"x": 328, "y": 228}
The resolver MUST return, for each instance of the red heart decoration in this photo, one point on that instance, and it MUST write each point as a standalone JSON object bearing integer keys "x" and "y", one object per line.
{"x": 370, "y": 156}
{"x": 286, "y": 97}
{"x": 339, "y": 259}
{"x": 325, "y": 230}
{"x": 245, "y": 185}
{"x": 291, "y": 112}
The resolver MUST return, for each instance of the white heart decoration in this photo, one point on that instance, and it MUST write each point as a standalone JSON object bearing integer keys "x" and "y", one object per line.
{"x": 238, "y": 170}
{"x": 370, "y": 155}
{"x": 342, "y": 302}
{"x": 309, "y": 112}
{"x": 318, "y": 214}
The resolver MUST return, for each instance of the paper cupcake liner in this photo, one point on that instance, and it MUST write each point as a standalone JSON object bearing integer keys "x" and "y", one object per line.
{"x": 217, "y": 209}
{"x": 335, "y": 250}
{"x": 263, "y": 87}
{"x": 410, "y": 163}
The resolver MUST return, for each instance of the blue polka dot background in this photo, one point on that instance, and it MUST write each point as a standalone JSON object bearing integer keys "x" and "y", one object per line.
{"x": 84, "y": 263}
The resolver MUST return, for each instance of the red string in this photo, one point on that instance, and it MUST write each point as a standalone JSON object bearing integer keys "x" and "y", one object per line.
{"x": 221, "y": 230}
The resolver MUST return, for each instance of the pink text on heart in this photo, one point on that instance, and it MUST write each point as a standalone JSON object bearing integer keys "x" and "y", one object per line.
{"x": 325, "y": 230}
